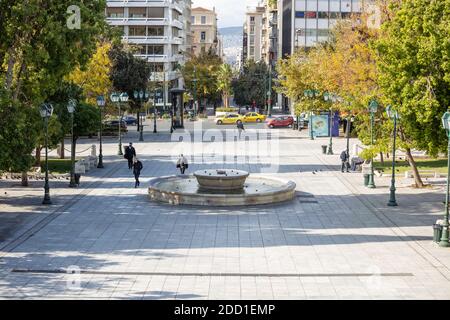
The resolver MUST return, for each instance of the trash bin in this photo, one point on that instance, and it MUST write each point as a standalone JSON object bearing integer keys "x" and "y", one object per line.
{"x": 366, "y": 179}
{"x": 324, "y": 149}
{"x": 77, "y": 178}
{"x": 437, "y": 234}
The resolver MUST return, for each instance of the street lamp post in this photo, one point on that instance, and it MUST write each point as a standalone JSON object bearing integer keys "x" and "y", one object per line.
{"x": 116, "y": 98}
{"x": 101, "y": 105}
{"x": 445, "y": 233}
{"x": 195, "y": 92}
{"x": 331, "y": 98}
{"x": 141, "y": 96}
{"x": 393, "y": 114}
{"x": 71, "y": 109}
{"x": 373, "y": 108}
{"x": 46, "y": 112}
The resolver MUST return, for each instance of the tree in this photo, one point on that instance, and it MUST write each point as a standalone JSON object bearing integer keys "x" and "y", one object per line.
{"x": 94, "y": 78}
{"x": 37, "y": 49}
{"x": 129, "y": 73}
{"x": 224, "y": 79}
{"x": 204, "y": 68}
{"x": 252, "y": 84}
{"x": 414, "y": 64}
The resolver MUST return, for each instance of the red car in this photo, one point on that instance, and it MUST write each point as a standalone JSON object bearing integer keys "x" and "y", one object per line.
{"x": 278, "y": 122}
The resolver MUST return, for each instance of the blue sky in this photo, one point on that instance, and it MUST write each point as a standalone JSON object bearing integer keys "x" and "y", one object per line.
{"x": 230, "y": 12}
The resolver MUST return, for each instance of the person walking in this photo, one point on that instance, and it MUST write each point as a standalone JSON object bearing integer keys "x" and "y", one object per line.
{"x": 137, "y": 168}
{"x": 240, "y": 126}
{"x": 182, "y": 164}
{"x": 130, "y": 153}
{"x": 344, "y": 159}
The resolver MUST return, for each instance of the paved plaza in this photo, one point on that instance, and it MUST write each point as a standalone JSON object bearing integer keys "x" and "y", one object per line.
{"x": 336, "y": 240}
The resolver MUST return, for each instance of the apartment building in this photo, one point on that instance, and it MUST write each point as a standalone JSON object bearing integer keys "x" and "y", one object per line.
{"x": 160, "y": 29}
{"x": 269, "y": 46}
{"x": 253, "y": 34}
{"x": 304, "y": 23}
{"x": 204, "y": 31}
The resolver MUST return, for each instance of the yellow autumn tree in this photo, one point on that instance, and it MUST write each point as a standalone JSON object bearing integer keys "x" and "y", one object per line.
{"x": 94, "y": 78}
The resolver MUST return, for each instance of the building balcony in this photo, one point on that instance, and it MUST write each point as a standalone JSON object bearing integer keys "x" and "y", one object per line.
{"x": 146, "y": 40}
{"x": 177, "y": 24}
{"x": 137, "y": 21}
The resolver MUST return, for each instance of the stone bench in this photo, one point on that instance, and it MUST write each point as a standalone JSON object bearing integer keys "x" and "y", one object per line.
{"x": 424, "y": 173}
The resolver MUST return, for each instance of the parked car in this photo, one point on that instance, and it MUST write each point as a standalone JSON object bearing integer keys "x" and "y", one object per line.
{"x": 232, "y": 118}
{"x": 130, "y": 120}
{"x": 254, "y": 117}
{"x": 280, "y": 122}
{"x": 112, "y": 126}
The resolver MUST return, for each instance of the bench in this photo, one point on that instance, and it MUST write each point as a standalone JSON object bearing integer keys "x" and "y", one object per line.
{"x": 424, "y": 173}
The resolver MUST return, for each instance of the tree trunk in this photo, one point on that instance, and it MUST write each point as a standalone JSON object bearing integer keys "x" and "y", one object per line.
{"x": 63, "y": 151}
{"x": 416, "y": 174}
{"x": 382, "y": 158}
{"x": 37, "y": 162}
{"x": 24, "y": 179}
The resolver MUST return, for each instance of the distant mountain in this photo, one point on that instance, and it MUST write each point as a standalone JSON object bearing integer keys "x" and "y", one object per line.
{"x": 232, "y": 42}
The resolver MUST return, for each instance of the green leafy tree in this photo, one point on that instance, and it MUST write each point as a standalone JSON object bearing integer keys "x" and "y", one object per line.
{"x": 414, "y": 64}
{"x": 252, "y": 84}
{"x": 204, "y": 68}
{"x": 224, "y": 79}
{"x": 129, "y": 73}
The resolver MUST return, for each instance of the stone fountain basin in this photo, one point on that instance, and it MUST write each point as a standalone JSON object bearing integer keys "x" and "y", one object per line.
{"x": 184, "y": 190}
{"x": 224, "y": 179}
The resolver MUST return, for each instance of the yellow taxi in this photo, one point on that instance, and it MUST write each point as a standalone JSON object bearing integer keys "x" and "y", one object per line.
{"x": 254, "y": 117}
{"x": 232, "y": 118}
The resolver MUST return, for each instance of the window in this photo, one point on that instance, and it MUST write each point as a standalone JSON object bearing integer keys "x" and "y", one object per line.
{"x": 156, "y": 13}
{"x": 252, "y": 40}
{"x": 252, "y": 51}
{"x": 157, "y": 67}
{"x": 137, "y": 13}
{"x": 252, "y": 29}
{"x": 143, "y": 49}
{"x": 311, "y": 14}
{"x": 155, "y": 31}
{"x": 323, "y": 32}
{"x": 252, "y": 19}
{"x": 175, "y": 15}
{"x": 193, "y": 19}
{"x": 203, "y": 20}
{"x": 346, "y": 15}
{"x": 299, "y": 14}
{"x": 136, "y": 31}
{"x": 155, "y": 50}
{"x": 203, "y": 36}
{"x": 175, "y": 32}
{"x": 323, "y": 15}
{"x": 114, "y": 12}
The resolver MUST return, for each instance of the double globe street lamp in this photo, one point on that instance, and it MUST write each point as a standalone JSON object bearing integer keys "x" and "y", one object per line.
{"x": 101, "y": 104}
{"x": 119, "y": 98}
{"x": 71, "y": 106}
{"x": 393, "y": 114}
{"x": 46, "y": 112}
{"x": 141, "y": 96}
{"x": 373, "y": 108}
{"x": 445, "y": 233}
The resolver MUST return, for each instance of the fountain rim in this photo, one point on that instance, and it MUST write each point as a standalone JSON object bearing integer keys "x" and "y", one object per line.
{"x": 288, "y": 185}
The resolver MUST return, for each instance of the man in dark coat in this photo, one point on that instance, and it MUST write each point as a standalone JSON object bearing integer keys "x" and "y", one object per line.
{"x": 130, "y": 153}
{"x": 137, "y": 168}
{"x": 344, "y": 159}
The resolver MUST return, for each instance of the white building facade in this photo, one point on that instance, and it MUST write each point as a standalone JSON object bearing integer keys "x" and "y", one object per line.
{"x": 161, "y": 31}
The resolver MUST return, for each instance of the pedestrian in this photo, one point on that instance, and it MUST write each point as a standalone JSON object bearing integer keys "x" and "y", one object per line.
{"x": 344, "y": 159}
{"x": 130, "y": 153}
{"x": 240, "y": 126}
{"x": 182, "y": 164}
{"x": 137, "y": 168}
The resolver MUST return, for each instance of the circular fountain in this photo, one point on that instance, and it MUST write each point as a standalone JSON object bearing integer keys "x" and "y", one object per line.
{"x": 224, "y": 187}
